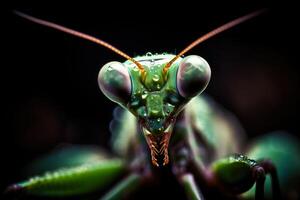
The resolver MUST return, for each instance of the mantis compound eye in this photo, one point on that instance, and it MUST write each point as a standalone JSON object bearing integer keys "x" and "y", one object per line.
{"x": 193, "y": 76}
{"x": 114, "y": 81}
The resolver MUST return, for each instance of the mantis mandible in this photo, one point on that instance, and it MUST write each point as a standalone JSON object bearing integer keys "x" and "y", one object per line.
{"x": 164, "y": 113}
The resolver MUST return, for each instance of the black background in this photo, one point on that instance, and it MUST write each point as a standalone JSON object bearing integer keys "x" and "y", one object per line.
{"x": 50, "y": 89}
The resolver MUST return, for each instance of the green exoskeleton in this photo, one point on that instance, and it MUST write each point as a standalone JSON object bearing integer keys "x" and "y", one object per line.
{"x": 163, "y": 113}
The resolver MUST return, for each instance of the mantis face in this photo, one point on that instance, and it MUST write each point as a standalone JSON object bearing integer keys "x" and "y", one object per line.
{"x": 154, "y": 88}
{"x": 155, "y": 97}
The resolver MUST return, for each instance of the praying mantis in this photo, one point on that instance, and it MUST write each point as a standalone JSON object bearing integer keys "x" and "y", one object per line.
{"x": 164, "y": 121}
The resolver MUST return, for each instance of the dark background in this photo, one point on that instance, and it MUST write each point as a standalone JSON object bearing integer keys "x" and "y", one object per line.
{"x": 50, "y": 89}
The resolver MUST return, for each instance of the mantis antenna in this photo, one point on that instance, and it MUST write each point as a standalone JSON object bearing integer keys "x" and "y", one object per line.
{"x": 213, "y": 33}
{"x": 81, "y": 35}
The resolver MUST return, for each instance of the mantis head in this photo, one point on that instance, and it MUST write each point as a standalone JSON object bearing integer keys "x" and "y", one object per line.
{"x": 155, "y": 88}
{"x": 153, "y": 95}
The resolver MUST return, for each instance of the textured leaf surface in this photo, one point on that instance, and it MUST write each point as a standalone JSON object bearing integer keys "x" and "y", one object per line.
{"x": 76, "y": 180}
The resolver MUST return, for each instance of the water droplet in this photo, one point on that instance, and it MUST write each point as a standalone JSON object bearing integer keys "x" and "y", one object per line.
{"x": 158, "y": 120}
{"x": 158, "y": 87}
{"x": 155, "y": 78}
{"x": 134, "y": 103}
{"x": 155, "y": 111}
{"x": 152, "y": 62}
{"x": 138, "y": 92}
{"x": 144, "y": 96}
{"x": 149, "y": 54}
